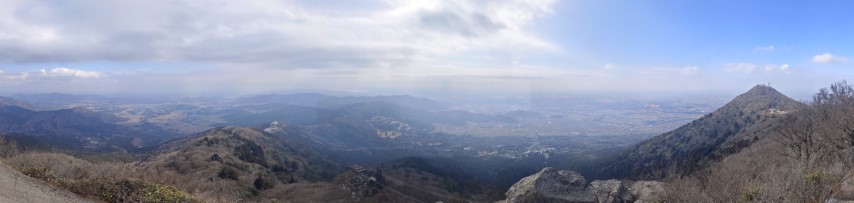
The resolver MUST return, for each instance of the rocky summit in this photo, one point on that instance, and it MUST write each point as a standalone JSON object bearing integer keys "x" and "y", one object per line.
{"x": 559, "y": 186}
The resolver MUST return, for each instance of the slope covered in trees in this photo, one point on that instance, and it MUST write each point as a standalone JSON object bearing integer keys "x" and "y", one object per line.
{"x": 692, "y": 146}
{"x": 77, "y": 129}
{"x": 807, "y": 156}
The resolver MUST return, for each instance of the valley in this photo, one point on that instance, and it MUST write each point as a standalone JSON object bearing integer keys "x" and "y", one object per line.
{"x": 423, "y": 101}
{"x": 400, "y": 149}
{"x": 313, "y": 140}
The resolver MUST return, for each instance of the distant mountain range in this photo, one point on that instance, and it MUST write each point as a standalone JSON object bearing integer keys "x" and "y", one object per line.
{"x": 54, "y": 101}
{"x": 77, "y": 129}
{"x": 5, "y": 101}
{"x": 761, "y": 146}
{"x": 325, "y": 101}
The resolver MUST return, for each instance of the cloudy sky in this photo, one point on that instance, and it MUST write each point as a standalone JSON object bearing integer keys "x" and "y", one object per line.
{"x": 423, "y": 47}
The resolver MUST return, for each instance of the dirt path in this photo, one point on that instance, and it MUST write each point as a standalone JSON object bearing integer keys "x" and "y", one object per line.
{"x": 17, "y": 187}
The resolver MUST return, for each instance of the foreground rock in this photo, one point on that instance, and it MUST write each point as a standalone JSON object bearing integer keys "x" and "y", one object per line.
{"x": 648, "y": 191}
{"x": 550, "y": 185}
{"x": 610, "y": 191}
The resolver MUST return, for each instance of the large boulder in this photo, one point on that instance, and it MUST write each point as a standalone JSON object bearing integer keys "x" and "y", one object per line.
{"x": 648, "y": 191}
{"x": 550, "y": 185}
{"x": 610, "y": 191}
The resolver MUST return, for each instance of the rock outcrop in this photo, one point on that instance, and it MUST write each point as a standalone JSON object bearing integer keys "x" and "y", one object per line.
{"x": 361, "y": 182}
{"x": 610, "y": 191}
{"x": 648, "y": 191}
{"x": 551, "y": 185}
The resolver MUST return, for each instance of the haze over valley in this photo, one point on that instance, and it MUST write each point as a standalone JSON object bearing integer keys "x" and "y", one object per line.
{"x": 507, "y": 138}
{"x": 426, "y": 101}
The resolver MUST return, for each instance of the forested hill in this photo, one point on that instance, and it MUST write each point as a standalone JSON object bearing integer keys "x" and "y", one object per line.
{"x": 693, "y": 145}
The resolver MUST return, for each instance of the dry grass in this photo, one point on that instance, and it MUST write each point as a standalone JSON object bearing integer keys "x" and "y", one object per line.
{"x": 190, "y": 167}
{"x": 306, "y": 192}
{"x": 762, "y": 173}
{"x": 8, "y": 147}
{"x": 803, "y": 158}
{"x": 104, "y": 181}
{"x": 65, "y": 167}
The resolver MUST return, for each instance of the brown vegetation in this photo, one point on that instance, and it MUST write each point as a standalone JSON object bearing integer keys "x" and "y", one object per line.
{"x": 104, "y": 181}
{"x": 695, "y": 145}
{"x": 222, "y": 165}
{"x": 803, "y": 158}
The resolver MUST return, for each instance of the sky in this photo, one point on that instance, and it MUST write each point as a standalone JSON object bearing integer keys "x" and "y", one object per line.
{"x": 465, "y": 47}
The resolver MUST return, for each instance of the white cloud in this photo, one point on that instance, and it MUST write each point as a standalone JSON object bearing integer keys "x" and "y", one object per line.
{"x": 669, "y": 71}
{"x": 785, "y": 68}
{"x": 365, "y": 43}
{"x": 13, "y": 75}
{"x": 270, "y": 33}
{"x": 751, "y": 68}
{"x": 764, "y": 49}
{"x": 67, "y": 72}
{"x": 609, "y": 66}
{"x": 828, "y": 58}
{"x": 740, "y": 67}
{"x": 689, "y": 70}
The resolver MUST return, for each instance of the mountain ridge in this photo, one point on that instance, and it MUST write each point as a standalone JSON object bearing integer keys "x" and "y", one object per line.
{"x": 327, "y": 101}
{"x": 245, "y": 147}
{"x": 692, "y": 146}
{"x": 6, "y": 101}
{"x": 77, "y": 128}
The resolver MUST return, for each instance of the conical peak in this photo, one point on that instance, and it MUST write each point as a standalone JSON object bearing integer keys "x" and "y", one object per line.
{"x": 763, "y": 89}
{"x": 762, "y": 97}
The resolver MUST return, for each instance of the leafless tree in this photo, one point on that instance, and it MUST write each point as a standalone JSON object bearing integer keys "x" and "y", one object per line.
{"x": 837, "y": 105}
{"x": 797, "y": 134}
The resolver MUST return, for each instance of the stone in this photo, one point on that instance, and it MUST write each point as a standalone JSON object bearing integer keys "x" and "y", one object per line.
{"x": 648, "y": 191}
{"x": 610, "y": 191}
{"x": 552, "y": 186}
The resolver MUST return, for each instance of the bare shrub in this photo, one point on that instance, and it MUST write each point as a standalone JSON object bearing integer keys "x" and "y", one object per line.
{"x": 801, "y": 159}
{"x": 8, "y": 147}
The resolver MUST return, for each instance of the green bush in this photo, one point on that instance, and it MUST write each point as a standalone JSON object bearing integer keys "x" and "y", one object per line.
{"x": 751, "y": 195}
{"x": 216, "y": 157}
{"x": 264, "y": 182}
{"x": 109, "y": 190}
{"x": 813, "y": 177}
{"x": 228, "y": 173}
{"x": 165, "y": 193}
{"x": 126, "y": 190}
{"x": 40, "y": 173}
